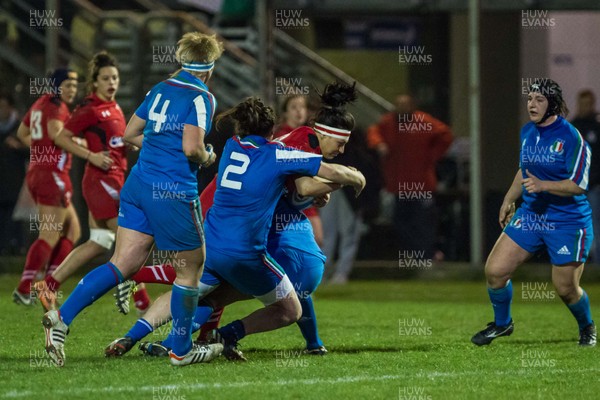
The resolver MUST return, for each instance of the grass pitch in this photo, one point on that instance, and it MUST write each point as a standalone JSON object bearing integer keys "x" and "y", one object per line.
{"x": 387, "y": 340}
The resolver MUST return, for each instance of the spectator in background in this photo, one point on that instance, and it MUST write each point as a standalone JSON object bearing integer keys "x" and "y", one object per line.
{"x": 294, "y": 113}
{"x": 410, "y": 143}
{"x": 587, "y": 122}
{"x": 344, "y": 215}
{"x": 13, "y": 156}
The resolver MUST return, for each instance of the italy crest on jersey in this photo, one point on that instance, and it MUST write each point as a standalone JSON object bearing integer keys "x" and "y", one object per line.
{"x": 516, "y": 222}
{"x": 558, "y": 146}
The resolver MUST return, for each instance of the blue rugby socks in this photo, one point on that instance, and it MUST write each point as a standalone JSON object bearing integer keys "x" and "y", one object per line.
{"x": 581, "y": 311}
{"x": 501, "y": 300}
{"x": 93, "y": 286}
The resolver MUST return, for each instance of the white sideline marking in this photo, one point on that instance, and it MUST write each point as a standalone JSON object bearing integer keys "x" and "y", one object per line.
{"x": 314, "y": 381}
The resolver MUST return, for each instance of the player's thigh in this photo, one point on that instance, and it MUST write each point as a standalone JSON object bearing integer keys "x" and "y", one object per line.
{"x": 72, "y": 225}
{"x": 304, "y": 270}
{"x": 50, "y": 223}
{"x": 256, "y": 275}
{"x": 504, "y": 259}
{"x": 131, "y": 250}
{"x": 224, "y": 295}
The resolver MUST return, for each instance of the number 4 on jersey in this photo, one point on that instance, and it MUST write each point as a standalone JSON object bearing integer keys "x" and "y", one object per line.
{"x": 161, "y": 117}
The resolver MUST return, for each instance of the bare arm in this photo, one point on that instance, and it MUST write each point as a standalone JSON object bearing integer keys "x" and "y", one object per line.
{"x": 24, "y": 134}
{"x": 63, "y": 139}
{"x": 508, "y": 208}
{"x": 343, "y": 175}
{"x": 134, "y": 133}
{"x": 194, "y": 148}
{"x": 308, "y": 186}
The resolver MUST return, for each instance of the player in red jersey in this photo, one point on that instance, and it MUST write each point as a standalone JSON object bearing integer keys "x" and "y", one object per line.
{"x": 101, "y": 122}
{"x": 295, "y": 114}
{"x": 48, "y": 182}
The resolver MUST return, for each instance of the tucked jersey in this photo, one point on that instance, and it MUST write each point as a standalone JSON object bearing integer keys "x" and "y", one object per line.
{"x": 556, "y": 152}
{"x": 251, "y": 178}
{"x": 102, "y": 124}
{"x": 44, "y": 154}
{"x": 171, "y": 104}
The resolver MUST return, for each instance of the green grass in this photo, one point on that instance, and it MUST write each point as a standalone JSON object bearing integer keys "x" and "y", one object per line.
{"x": 360, "y": 324}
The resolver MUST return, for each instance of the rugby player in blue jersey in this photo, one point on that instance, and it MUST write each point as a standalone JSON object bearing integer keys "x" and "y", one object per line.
{"x": 555, "y": 215}
{"x": 159, "y": 202}
{"x": 251, "y": 179}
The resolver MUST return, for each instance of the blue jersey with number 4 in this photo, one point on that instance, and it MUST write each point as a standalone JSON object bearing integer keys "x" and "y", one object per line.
{"x": 168, "y": 106}
{"x": 251, "y": 179}
{"x": 554, "y": 153}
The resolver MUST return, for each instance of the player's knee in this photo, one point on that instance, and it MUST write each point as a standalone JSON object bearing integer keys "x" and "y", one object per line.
{"x": 495, "y": 276}
{"x": 292, "y": 310}
{"x": 104, "y": 238}
{"x": 567, "y": 292}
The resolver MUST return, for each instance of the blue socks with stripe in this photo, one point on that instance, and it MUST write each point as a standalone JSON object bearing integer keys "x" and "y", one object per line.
{"x": 93, "y": 286}
{"x": 501, "y": 300}
{"x": 184, "y": 300}
{"x": 581, "y": 311}
{"x": 203, "y": 312}
{"x": 140, "y": 330}
{"x": 308, "y": 324}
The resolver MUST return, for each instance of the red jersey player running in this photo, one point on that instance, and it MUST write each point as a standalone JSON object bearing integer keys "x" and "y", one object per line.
{"x": 100, "y": 120}
{"x": 48, "y": 182}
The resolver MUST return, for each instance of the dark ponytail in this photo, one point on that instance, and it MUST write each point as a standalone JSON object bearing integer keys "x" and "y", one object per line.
{"x": 100, "y": 60}
{"x": 333, "y": 112}
{"x": 250, "y": 117}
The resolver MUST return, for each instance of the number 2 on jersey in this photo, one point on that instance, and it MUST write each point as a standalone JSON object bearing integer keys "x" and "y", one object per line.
{"x": 161, "y": 117}
{"x": 235, "y": 170}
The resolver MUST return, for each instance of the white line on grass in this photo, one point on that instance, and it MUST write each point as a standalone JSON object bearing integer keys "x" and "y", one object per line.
{"x": 313, "y": 381}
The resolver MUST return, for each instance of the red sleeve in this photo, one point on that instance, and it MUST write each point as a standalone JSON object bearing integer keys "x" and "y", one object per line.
{"x": 298, "y": 139}
{"x": 311, "y": 212}
{"x": 207, "y": 196}
{"x": 82, "y": 118}
{"x": 60, "y": 112}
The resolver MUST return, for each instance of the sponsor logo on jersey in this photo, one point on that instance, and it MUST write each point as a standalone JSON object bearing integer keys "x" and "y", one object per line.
{"x": 516, "y": 223}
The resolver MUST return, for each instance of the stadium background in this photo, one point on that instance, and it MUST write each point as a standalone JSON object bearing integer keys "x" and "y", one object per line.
{"x": 274, "y": 47}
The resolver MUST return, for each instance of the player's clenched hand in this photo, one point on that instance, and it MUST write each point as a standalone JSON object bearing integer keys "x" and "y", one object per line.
{"x": 321, "y": 201}
{"x": 532, "y": 184}
{"x": 212, "y": 156}
{"x": 360, "y": 184}
{"x": 101, "y": 160}
{"x": 507, "y": 210}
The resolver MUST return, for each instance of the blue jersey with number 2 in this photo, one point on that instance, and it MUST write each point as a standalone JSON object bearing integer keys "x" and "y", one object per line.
{"x": 168, "y": 106}
{"x": 251, "y": 179}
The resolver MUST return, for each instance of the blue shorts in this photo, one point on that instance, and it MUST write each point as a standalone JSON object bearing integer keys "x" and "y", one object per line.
{"x": 259, "y": 276}
{"x": 175, "y": 223}
{"x": 304, "y": 269}
{"x": 564, "y": 245}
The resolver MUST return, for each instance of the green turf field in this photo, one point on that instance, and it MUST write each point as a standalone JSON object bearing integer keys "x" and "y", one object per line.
{"x": 387, "y": 340}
